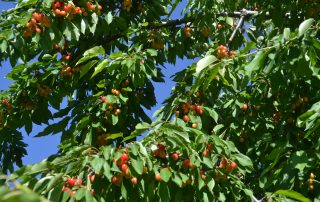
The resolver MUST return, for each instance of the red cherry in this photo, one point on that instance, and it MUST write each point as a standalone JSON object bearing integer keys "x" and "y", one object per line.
{"x": 4, "y": 102}
{"x": 124, "y": 157}
{"x": 158, "y": 177}
{"x": 91, "y": 178}
{"x": 161, "y": 147}
{"x": 33, "y": 21}
{"x": 92, "y": 192}
{"x": 78, "y": 182}
{"x": 205, "y": 153}
{"x": 156, "y": 153}
{"x": 198, "y": 107}
{"x": 186, "y": 163}
{"x": 114, "y": 179}
{"x": 65, "y": 189}
{"x": 203, "y": 177}
{"x": 124, "y": 167}
{"x": 104, "y": 99}
{"x": 233, "y": 165}
{"x": 72, "y": 193}
{"x": 186, "y": 118}
{"x": 192, "y": 107}
{"x": 71, "y": 182}
{"x": 38, "y": 30}
{"x": 175, "y": 156}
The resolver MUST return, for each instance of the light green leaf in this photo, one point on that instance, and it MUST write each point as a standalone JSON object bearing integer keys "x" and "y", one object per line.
{"x": 101, "y": 66}
{"x": 165, "y": 174}
{"x": 204, "y": 62}
{"x": 97, "y": 50}
{"x": 212, "y": 113}
{"x": 256, "y": 63}
{"x": 137, "y": 165}
{"x": 286, "y": 33}
{"x": 115, "y": 136}
{"x": 292, "y": 194}
{"x": 304, "y": 26}
{"x": 109, "y": 18}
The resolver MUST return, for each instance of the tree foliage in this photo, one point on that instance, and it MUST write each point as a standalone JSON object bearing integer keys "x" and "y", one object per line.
{"x": 241, "y": 124}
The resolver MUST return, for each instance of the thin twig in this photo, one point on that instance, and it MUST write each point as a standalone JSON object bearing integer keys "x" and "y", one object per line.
{"x": 244, "y": 13}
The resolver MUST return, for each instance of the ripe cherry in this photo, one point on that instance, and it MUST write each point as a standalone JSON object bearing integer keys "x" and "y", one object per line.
{"x": 244, "y": 106}
{"x": 78, "y": 182}
{"x": 71, "y": 182}
{"x": 177, "y": 113}
{"x": 91, "y": 177}
{"x": 175, "y": 156}
{"x": 104, "y": 99}
{"x": 194, "y": 125}
{"x": 205, "y": 153}
{"x": 72, "y": 193}
{"x": 65, "y": 189}
{"x": 124, "y": 167}
{"x": 233, "y": 165}
{"x": 92, "y": 192}
{"x": 158, "y": 177}
{"x": 124, "y": 157}
{"x": 161, "y": 146}
{"x": 186, "y": 118}
{"x": 134, "y": 180}
{"x": 4, "y": 102}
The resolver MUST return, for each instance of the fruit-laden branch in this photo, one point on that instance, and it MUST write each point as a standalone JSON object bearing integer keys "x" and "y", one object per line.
{"x": 171, "y": 23}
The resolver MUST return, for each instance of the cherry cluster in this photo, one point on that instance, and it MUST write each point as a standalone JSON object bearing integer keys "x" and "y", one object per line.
{"x": 123, "y": 164}
{"x": 37, "y": 21}
{"x": 311, "y": 180}
{"x": 6, "y": 103}
{"x": 222, "y": 52}
{"x": 68, "y": 71}
{"x": 60, "y": 9}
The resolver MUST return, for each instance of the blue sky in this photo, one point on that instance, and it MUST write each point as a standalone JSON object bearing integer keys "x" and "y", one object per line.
{"x": 40, "y": 148}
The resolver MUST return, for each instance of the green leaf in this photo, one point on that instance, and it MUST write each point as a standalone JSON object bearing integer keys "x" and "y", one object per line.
{"x": 83, "y": 26}
{"x": 204, "y": 62}
{"x": 115, "y": 136}
{"x": 97, "y": 50}
{"x": 109, "y": 18}
{"x": 101, "y": 66}
{"x": 164, "y": 192}
{"x": 286, "y": 33}
{"x": 115, "y": 119}
{"x": 54, "y": 181}
{"x": 304, "y": 26}
{"x": 87, "y": 67}
{"x": 212, "y": 113}
{"x": 243, "y": 160}
{"x": 165, "y": 174}
{"x": 256, "y": 63}
{"x": 137, "y": 164}
{"x": 123, "y": 191}
{"x": 292, "y": 194}
{"x": 47, "y": 3}
{"x": 97, "y": 164}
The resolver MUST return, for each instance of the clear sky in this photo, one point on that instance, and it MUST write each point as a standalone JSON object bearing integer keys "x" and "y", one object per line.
{"x": 40, "y": 148}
